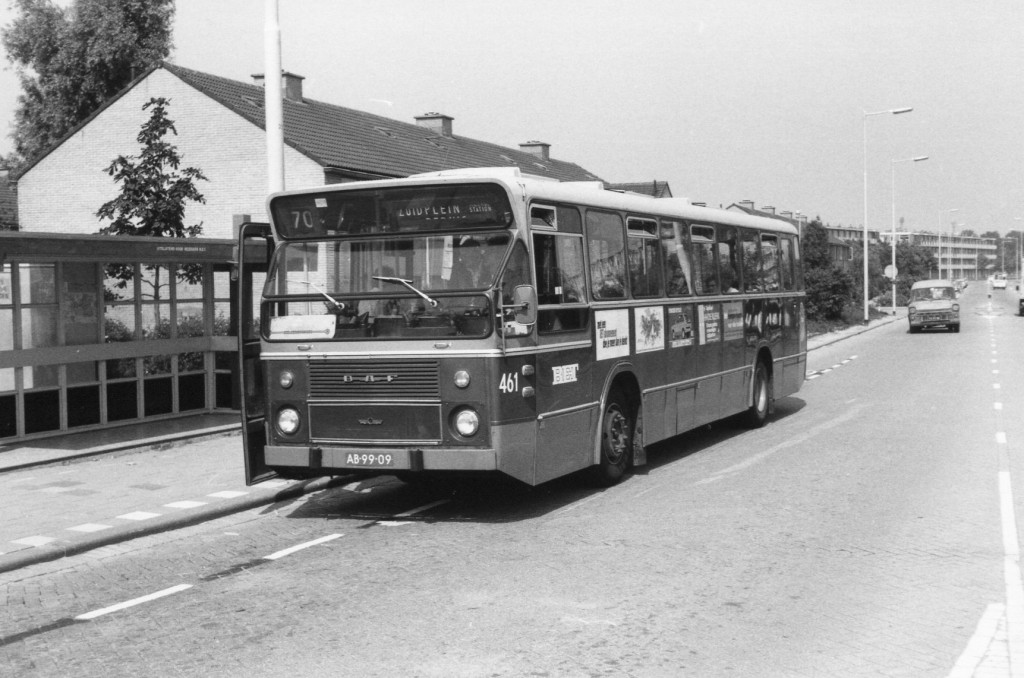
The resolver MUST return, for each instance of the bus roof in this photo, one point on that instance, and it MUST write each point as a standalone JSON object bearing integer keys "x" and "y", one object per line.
{"x": 590, "y": 193}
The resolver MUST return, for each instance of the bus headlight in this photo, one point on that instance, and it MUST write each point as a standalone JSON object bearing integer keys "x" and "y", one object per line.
{"x": 462, "y": 378}
{"x": 288, "y": 421}
{"x": 466, "y": 422}
{"x": 286, "y": 379}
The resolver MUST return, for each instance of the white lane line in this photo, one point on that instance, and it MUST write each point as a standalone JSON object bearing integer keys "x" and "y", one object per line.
{"x": 306, "y": 545}
{"x": 758, "y": 457}
{"x": 1012, "y": 576}
{"x": 132, "y": 603}
{"x": 1001, "y": 437}
{"x": 421, "y": 509}
{"x": 972, "y": 656}
{"x": 997, "y": 406}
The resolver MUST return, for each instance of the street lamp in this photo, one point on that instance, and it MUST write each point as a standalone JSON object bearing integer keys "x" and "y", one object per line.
{"x": 893, "y": 111}
{"x": 941, "y": 212}
{"x": 892, "y": 165}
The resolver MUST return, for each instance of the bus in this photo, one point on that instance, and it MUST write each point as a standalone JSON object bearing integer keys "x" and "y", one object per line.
{"x": 603, "y": 322}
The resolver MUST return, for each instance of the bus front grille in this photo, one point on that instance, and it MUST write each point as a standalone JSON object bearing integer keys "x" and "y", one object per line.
{"x": 366, "y": 379}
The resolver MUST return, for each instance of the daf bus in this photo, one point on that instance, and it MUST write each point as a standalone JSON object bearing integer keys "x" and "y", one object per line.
{"x": 603, "y": 322}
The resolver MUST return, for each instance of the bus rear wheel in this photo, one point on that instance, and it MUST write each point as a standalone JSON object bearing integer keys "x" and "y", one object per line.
{"x": 757, "y": 414}
{"x": 617, "y": 426}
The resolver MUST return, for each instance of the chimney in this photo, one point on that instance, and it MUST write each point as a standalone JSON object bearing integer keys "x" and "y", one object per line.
{"x": 770, "y": 209}
{"x": 748, "y": 204}
{"x": 440, "y": 123}
{"x": 291, "y": 85}
{"x": 537, "y": 148}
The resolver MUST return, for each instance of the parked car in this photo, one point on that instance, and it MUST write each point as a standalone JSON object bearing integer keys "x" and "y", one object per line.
{"x": 999, "y": 281}
{"x": 933, "y": 304}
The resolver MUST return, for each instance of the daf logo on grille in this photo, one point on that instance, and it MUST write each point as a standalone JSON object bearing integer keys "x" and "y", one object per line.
{"x": 369, "y": 378}
{"x": 370, "y": 422}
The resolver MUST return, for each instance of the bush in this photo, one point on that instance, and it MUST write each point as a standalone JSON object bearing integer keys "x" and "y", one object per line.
{"x": 829, "y": 292}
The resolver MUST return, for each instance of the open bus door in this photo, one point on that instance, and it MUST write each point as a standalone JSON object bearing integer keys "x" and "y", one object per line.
{"x": 255, "y": 246}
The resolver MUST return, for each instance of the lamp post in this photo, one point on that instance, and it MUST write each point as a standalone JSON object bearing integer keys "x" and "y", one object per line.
{"x": 892, "y": 165}
{"x": 893, "y": 111}
{"x": 941, "y": 212}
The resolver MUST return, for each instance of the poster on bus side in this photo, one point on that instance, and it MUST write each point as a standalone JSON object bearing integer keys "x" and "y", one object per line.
{"x": 680, "y": 326}
{"x": 612, "y": 333}
{"x": 710, "y": 323}
{"x": 732, "y": 312}
{"x": 649, "y": 329}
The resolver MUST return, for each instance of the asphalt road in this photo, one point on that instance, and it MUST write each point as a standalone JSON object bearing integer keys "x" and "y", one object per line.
{"x": 868, "y": 530}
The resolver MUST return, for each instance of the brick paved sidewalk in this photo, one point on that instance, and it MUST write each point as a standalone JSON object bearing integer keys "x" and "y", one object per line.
{"x": 62, "y": 509}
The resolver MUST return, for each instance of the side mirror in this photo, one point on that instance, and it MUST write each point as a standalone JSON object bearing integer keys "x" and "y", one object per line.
{"x": 524, "y": 303}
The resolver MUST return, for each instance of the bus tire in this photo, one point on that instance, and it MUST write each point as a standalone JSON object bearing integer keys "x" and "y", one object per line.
{"x": 757, "y": 414}
{"x": 617, "y": 426}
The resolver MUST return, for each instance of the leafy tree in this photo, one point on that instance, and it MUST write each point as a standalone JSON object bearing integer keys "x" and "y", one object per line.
{"x": 829, "y": 288}
{"x": 154, "y": 194}
{"x": 70, "y": 61}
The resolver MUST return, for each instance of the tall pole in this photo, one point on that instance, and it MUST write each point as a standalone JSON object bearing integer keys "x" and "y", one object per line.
{"x": 892, "y": 165}
{"x": 894, "y": 111}
{"x": 272, "y": 103}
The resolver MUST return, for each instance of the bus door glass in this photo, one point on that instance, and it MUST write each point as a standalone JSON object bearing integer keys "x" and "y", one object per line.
{"x": 255, "y": 246}
{"x": 563, "y": 375}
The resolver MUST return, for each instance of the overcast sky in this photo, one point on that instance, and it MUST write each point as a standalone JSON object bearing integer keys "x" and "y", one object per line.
{"x": 727, "y": 100}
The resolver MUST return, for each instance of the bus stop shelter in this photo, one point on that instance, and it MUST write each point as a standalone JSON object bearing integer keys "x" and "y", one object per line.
{"x": 98, "y": 331}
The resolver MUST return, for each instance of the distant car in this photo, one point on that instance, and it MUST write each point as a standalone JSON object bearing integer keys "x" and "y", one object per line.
{"x": 999, "y": 281}
{"x": 933, "y": 304}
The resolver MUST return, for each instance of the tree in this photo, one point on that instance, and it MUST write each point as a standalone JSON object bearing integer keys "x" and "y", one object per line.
{"x": 70, "y": 61}
{"x": 154, "y": 194}
{"x": 829, "y": 288}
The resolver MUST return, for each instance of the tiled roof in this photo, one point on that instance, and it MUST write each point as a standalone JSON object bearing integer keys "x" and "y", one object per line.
{"x": 352, "y": 140}
{"x": 658, "y": 189}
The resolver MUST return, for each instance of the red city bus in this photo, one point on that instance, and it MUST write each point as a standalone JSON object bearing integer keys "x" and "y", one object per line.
{"x": 484, "y": 320}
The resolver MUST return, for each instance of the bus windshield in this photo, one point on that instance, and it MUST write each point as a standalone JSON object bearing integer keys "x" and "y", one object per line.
{"x": 385, "y": 286}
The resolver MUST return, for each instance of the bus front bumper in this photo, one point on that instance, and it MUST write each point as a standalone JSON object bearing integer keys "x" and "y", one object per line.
{"x": 330, "y": 459}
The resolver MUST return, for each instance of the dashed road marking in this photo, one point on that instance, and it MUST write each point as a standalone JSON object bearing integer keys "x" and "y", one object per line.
{"x": 818, "y": 373}
{"x": 135, "y": 601}
{"x": 288, "y": 551}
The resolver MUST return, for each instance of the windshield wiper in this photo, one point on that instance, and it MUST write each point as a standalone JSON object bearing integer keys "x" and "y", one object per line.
{"x": 408, "y": 284}
{"x": 337, "y": 305}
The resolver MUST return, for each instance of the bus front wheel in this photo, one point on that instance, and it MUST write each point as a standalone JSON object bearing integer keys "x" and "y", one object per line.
{"x": 757, "y": 414}
{"x": 617, "y": 426}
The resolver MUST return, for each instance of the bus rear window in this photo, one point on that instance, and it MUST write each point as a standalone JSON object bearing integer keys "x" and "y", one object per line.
{"x": 391, "y": 210}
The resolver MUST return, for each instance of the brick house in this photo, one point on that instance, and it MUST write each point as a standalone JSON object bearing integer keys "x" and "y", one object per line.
{"x": 220, "y": 125}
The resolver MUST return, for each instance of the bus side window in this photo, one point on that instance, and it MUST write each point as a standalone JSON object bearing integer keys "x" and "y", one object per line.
{"x": 705, "y": 267}
{"x": 728, "y": 260}
{"x": 751, "y": 261}
{"x": 770, "y": 262}
{"x": 607, "y": 247}
{"x": 560, "y": 280}
{"x": 676, "y": 258}
{"x": 644, "y": 266}
{"x": 786, "y": 264}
